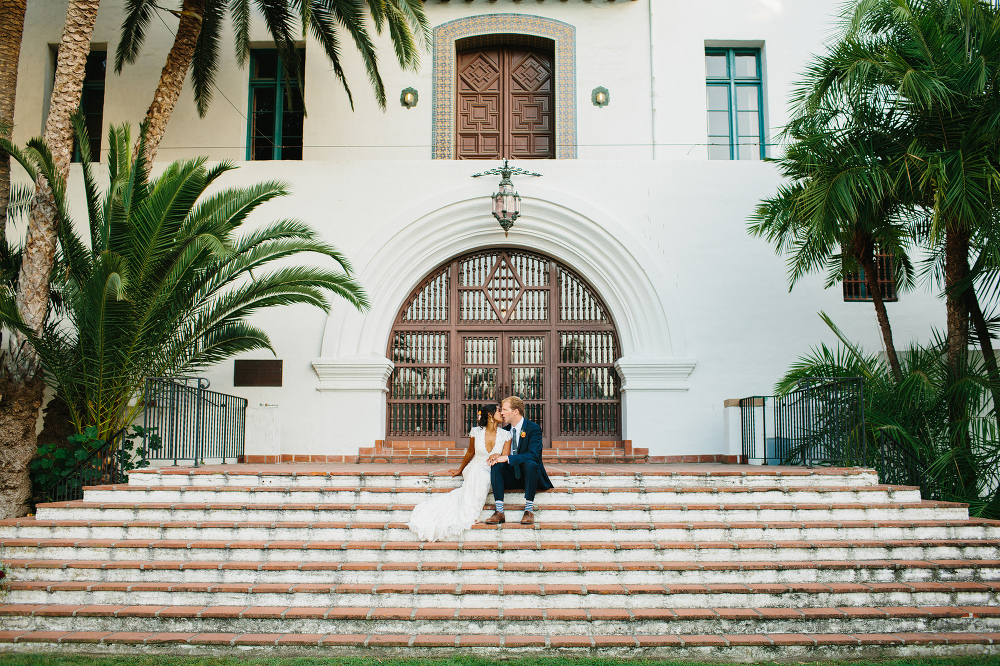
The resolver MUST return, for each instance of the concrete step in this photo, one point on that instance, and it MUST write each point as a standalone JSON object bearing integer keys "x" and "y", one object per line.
{"x": 736, "y": 647}
{"x": 544, "y": 530}
{"x": 381, "y": 476}
{"x": 396, "y": 595}
{"x": 563, "y": 456}
{"x": 494, "y": 549}
{"x": 577, "y": 512}
{"x": 560, "y": 495}
{"x": 569, "y": 571}
{"x": 534, "y": 621}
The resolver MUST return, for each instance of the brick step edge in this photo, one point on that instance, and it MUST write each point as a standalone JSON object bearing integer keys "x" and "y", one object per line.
{"x": 538, "y": 525}
{"x": 497, "y": 545}
{"x": 485, "y": 614}
{"x": 495, "y": 641}
{"x": 360, "y": 506}
{"x": 548, "y": 589}
{"x": 515, "y": 567}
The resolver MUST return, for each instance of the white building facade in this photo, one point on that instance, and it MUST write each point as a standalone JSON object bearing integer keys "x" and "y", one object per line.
{"x": 627, "y": 302}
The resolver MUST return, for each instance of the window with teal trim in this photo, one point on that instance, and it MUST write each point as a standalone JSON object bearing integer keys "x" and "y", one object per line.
{"x": 274, "y": 127}
{"x": 735, "y": 96}
{"x": 92, "y": 103}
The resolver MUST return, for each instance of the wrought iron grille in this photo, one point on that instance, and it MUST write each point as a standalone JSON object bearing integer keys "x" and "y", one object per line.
{"x": 499, "y": 322}
{"x": 822, "y": 422}
{"x": 856, "y": 288}
{"x": 193, "y": 422}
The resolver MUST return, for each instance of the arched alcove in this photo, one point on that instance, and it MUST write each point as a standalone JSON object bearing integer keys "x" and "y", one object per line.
{"x": 402, "y": 253}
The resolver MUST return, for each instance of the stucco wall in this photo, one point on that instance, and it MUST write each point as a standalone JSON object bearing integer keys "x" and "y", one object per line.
{"x": 705, "y": 297}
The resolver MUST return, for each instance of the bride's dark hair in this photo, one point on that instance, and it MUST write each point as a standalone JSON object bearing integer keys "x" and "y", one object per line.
{"x": 485, "y": 413}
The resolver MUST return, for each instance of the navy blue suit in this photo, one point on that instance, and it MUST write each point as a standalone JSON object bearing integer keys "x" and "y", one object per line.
{"x": 523, "y": 469}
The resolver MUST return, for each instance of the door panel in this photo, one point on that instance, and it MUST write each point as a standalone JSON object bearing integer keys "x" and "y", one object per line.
{"x": 527, "y": 370}
{"x": 505, "y": 104}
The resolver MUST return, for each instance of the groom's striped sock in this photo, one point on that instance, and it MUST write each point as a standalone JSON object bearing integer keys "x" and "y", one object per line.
{"x": 529, "y": 505}
{"x": 499, "y": 504}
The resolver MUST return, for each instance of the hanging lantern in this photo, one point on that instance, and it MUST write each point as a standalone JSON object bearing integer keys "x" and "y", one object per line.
{"x": 506, "y": 200}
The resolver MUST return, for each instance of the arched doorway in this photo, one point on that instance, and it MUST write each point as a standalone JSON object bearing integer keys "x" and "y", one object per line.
{"x": 500, "y": 322}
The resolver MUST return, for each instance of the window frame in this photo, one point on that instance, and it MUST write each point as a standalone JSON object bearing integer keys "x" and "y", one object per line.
{"x": 89, "y": 88}
{"x": 280, "y": 83}
{"x": 732, "y": 82}
{"x": 854, "y": 281}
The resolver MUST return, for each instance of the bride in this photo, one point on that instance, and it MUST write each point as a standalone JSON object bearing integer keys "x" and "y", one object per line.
{"x": 448, "y": 515}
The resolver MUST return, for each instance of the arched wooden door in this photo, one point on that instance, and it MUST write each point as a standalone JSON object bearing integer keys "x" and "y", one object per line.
{"x": 498, "y": 323}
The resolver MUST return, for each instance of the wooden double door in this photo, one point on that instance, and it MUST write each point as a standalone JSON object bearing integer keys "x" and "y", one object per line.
{"x": 505, "y": 104}
{"x": 499, "y": 364}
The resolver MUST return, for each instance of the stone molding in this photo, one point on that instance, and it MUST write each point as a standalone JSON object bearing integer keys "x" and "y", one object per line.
{"x": 655, "y": 374}
{"x": 356, "y": 374}
{"x": 445, "y": 36}
{"x": 595, "y": 245}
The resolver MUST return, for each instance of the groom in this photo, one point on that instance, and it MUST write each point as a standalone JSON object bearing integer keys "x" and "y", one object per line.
{"x": 523, "y": 467}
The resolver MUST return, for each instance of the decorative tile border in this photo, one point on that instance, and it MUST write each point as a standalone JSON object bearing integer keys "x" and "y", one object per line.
{"x": 445, "y": 36}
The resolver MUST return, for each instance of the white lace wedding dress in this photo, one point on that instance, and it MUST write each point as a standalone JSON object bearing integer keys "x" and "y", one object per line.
{"x": 448, "y": 515}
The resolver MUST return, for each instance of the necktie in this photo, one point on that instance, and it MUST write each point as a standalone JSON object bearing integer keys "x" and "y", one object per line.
{"x": 517, "y": 441}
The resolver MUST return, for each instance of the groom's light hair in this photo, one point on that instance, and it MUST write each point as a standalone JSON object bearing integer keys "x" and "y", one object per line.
{"x": 515, "y": 403}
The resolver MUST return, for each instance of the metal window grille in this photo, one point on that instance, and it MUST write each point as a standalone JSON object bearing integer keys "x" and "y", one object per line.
{"x": 856, "y": 289}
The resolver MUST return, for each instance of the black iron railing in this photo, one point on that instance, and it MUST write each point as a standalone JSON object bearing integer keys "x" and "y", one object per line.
{"x": 821, "y": 422}
{"x": 192, "y": 422}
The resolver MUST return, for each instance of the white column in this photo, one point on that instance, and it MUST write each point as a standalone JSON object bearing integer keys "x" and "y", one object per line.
{"x": 654, "y": 403}
{"x": 356, "y": 412}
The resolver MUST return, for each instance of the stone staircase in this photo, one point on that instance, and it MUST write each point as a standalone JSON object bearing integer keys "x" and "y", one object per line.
{"x": 561, "y": 451}
{"x": 680, "y": 561}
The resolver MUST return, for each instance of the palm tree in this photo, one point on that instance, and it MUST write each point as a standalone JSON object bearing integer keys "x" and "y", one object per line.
{"x": 196, "y": 44}
{"x": 11, "y": 29}
{"x": 842, "y": 202}
{"x": 938, "y": 63}
{"x": 21, "y": 385}
{"x": 167, "y": 281}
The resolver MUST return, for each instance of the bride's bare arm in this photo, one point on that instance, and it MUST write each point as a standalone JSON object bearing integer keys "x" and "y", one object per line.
{"x": 468, "y": 456}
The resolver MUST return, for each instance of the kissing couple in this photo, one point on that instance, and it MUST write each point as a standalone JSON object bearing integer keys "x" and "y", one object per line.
{"x": 505, "y": 451}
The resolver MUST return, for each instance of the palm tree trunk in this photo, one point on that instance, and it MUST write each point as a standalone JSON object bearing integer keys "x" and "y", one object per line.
{"x": 18, "y": 414}
{"x": 40, "y": 246}
{"x": 22, "y": 400}
{"x": 11, "y": 29}
{"x": 871, "y": 282}
{"x": 175, "y": 70}
{"x": 956, "y": 270}
{"x": 986, "y": 345}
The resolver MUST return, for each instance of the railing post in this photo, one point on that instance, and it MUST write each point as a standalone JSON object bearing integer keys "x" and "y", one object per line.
{"x": 199, "y": 406}
{"x": 172, "y": 415}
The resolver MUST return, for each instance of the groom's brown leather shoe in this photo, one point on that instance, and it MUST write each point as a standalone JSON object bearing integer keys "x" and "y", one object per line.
{"x": 496, "y": 519}
{"x": 528, "y": 518}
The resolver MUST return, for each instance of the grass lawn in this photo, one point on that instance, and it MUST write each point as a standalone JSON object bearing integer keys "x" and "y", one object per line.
{"x": 14, "y": 659}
